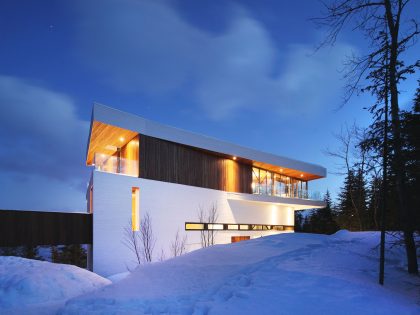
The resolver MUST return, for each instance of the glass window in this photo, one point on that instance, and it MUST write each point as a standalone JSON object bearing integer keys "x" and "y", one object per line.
{"x": 263, "y": 182}
{"x": 269, "y": 183}
{"x": 273, "y": 184}
{"x": 135, "y": 208}
{"x": 244, "y": 227}
{"x": 194, "y": 226}
{"x": 215, "y": 226}
{"x": 255, "y": 180}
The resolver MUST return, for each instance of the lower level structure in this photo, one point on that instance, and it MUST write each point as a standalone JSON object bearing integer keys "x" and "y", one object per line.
{"x": 175, "y": 208}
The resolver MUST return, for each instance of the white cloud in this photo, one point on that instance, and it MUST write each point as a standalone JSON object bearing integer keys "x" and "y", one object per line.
{"x": 43, "y": 141}
{"x": 146, "y": 46}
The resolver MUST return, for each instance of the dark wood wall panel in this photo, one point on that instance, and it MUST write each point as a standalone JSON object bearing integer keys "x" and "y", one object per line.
{"x": 176, "y": 163}
{"x": 44, "y": 228}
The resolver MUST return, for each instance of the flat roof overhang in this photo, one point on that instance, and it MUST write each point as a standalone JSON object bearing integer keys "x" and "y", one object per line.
{"x": 295, "y": 203}
{"x": 109, "y": 126}
{"x": 106, "y": 139}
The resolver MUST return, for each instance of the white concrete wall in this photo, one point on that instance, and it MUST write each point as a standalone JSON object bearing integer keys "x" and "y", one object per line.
{"x": 170, "y": 206}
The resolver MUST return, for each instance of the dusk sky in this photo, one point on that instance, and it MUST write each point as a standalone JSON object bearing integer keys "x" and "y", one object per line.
{"x": 241, "y": 71}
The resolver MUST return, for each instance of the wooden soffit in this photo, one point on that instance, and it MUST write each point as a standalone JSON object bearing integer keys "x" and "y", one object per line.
{"x": 105, "y": 139}
{"x": 286, "y": 171}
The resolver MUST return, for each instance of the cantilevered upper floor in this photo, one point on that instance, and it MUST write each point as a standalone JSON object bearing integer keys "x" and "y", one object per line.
{"x": 126, "y": 144}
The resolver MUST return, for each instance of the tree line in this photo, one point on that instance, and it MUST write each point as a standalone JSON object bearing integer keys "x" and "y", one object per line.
{"x": 390, "y": 29}
{"x": 359, "y": 203}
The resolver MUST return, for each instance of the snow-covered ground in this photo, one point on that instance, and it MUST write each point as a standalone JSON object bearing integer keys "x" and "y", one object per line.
{"x": 280, "y": 274}
{"x": 40, "y": 287}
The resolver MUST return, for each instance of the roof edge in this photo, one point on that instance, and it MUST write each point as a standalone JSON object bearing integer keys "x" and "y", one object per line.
{"x": 116, "y": 117}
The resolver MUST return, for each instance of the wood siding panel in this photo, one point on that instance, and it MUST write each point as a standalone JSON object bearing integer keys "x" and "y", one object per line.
{"x": 176, "y": 163}
{"x": 44, "y": 228}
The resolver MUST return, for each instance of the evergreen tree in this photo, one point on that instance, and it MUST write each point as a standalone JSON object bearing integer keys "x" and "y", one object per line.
{"x": 73, "y": 254}
{"x": 410, "y": 123}
{"x": 9, "y": 251}
{"x": 55, "y": 254}
{"x": 352, "y": 205}
{"x": 322, "y": 220}
{"x": 410, "y": 129}
{"x": 373, "y": 203}
{"x": 30, "y": 252}
{"x": 389, "y": 35}
{"x": 299, "y": 221}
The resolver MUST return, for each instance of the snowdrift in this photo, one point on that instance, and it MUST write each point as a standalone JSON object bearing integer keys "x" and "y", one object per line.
{"x": 31, "y": 286}
{"x": 280, "y": 274}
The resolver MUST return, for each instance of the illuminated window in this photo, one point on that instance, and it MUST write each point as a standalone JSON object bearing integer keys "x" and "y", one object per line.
{"x": 90, "y": 200}
{"x": 198, "y": 226}
{"x": 255, "y": 180}
{"x": 268, "y": 183}
{"x": 278, "y": 227}
{"x": 213, "y": 226}
{"x": 135, "y": 208}
{"x": 194, "y": 226}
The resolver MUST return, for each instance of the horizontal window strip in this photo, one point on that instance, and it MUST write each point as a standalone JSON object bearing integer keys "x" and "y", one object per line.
{"x": 194, "y": 226}
{"x": 200, "y": 226}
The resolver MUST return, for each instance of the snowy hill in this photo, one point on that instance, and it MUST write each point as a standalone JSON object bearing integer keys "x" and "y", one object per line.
{"x": 39, "y": 287}
{"x": 281, "y": 274}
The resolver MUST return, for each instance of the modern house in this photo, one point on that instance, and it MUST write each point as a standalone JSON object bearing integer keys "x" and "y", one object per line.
{"x": 142, "y": 167}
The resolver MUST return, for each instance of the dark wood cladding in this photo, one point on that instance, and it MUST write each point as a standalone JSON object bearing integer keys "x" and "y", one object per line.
{"x": 19, "y": 228}
{"x": 176, "y": 163}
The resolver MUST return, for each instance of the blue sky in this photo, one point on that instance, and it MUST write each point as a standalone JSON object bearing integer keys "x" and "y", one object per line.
{"x": 241, "y": 71}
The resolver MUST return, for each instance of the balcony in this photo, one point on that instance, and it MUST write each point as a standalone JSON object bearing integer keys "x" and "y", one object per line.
{"x": 286, "y": 192}
{"x": 273, "y": 184}
{"x": 116, "y": 164}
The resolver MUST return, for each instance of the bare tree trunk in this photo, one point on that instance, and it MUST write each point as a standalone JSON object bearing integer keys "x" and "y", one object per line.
{"x": 398, "y": 163}
{"x": 377, "y": 19}
{"x": 178, "y": 246}
{"x": 208, "y": 219}
{"x": 385, "y": 186}
{"x": 132, "y": 241}
{"x": 147, "y": 238}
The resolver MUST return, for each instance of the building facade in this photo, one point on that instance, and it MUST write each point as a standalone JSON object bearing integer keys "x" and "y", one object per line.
{"x": 178, "y": 178}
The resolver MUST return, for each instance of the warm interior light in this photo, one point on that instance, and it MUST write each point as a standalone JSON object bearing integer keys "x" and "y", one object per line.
{"x": 135, "y": 208}
{"x": 301, "y": 175}
{"x": 121, "y": 139}
{"x": 281, "y": 170}
{"x": 234, "y": 157}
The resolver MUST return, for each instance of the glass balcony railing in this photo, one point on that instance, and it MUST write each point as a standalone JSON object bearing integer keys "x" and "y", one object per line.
{"x": 116, "y": 164}
{"x": 286, "y": 192}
